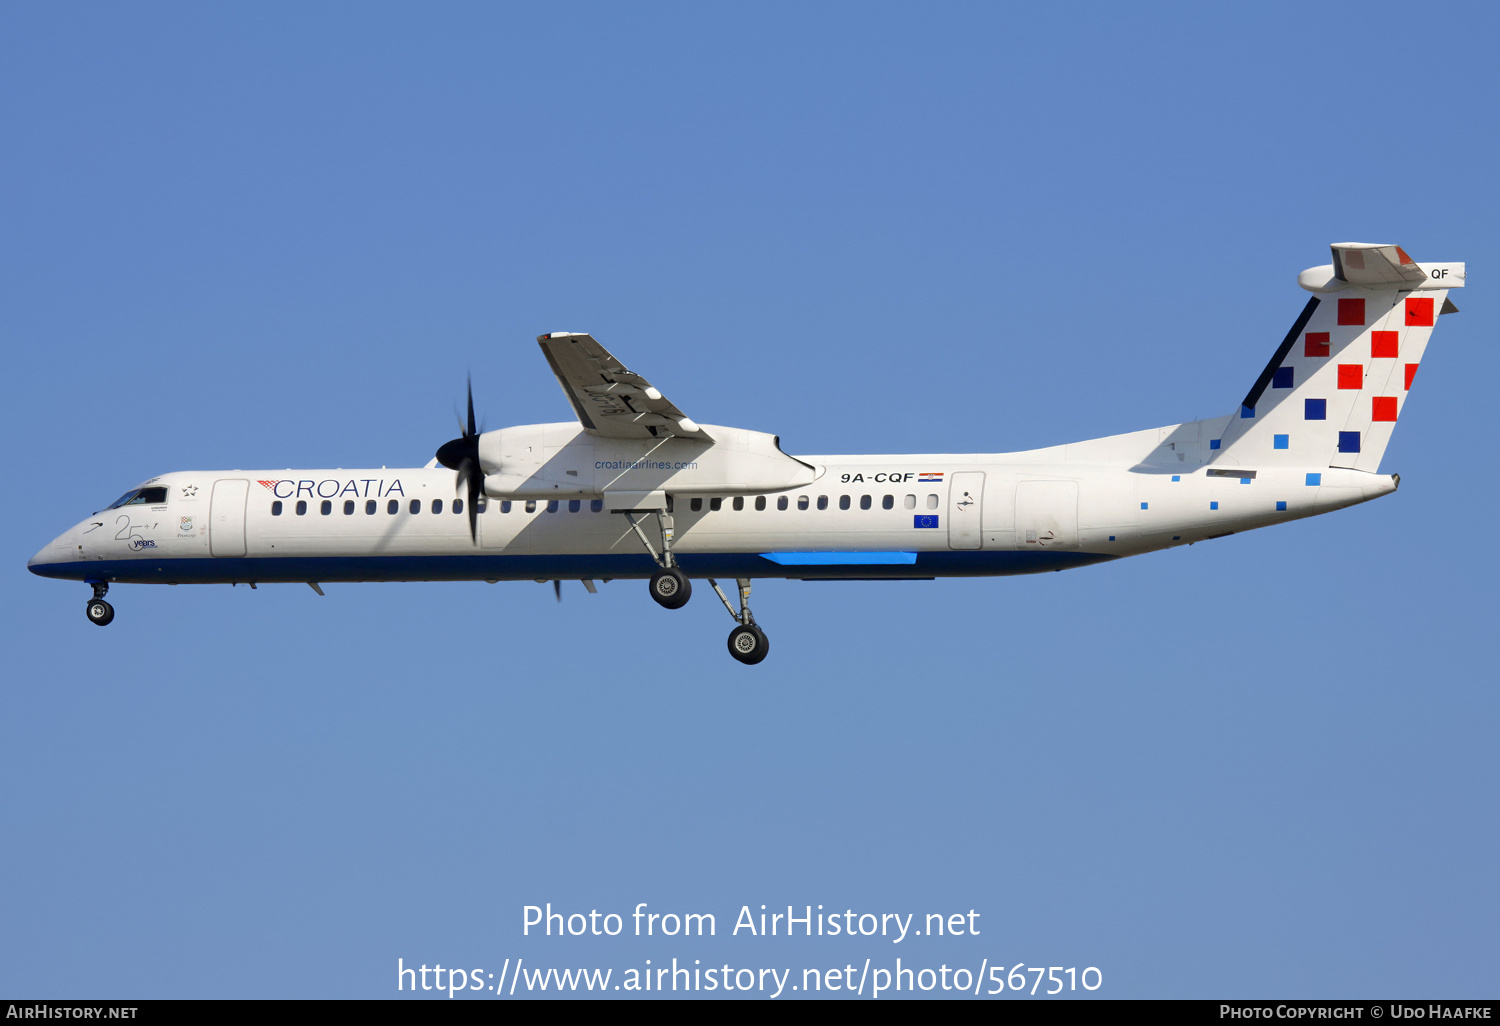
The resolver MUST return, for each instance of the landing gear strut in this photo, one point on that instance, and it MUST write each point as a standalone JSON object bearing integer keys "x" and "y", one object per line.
{"x": 670, "y": 587}
{"x": 99, "y": 611}
{"x": 747, "y": 642}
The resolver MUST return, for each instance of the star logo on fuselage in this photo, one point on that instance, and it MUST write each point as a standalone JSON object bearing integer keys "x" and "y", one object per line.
{"x": 189, "y": 491}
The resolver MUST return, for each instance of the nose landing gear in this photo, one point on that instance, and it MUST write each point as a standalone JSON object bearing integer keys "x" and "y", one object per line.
{"x": 99, "y": 611}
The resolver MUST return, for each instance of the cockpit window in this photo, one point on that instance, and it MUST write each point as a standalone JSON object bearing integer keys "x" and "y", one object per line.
{"x": 141, "y": 497}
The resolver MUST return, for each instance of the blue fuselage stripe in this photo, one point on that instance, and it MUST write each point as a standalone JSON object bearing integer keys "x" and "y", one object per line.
{"x": 500, "y": 567}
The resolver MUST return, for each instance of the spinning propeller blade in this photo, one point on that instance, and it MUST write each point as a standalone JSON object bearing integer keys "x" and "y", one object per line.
{"x": 462, "y": 455}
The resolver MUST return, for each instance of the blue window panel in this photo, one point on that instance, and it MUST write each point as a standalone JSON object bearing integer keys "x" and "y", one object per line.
{"x": 1246, "y": 412}
{"x": 1282, "y": 378}
{"x": 1176, "y": 477}
{"x": 1280, "y": 507}
{"x": 1213, "y": 505}
{"x": 1280, "y": 441}
{"x": 1315, "y": 409}
{"x": 924, "y": 520}
{"x": 1348, "y": 441}
{"x": 1145, "y": 505}
{"x": 1214, "y": 443}
{"x": 1313, "y": 480}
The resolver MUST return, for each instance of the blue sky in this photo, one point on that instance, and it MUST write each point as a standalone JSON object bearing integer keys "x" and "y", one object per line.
{"x": 280, "y": 235}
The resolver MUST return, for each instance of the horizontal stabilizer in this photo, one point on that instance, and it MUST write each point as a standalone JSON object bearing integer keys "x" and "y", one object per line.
{"x": 1361, "y": 263}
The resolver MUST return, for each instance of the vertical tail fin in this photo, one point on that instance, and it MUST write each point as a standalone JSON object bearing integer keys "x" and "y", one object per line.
{"x": 1332, "y": 393}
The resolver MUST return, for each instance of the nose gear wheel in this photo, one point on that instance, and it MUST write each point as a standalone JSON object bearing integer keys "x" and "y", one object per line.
{"x": 99, "y": 612}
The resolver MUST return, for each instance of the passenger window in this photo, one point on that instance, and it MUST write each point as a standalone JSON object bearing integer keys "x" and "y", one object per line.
{"x": 739, "y": 503}
{"x": 596, "y": 505}
{"x": 551, "y": 505}
{"x": 932, "y": 502}
{"x": 801, "y": 502}
{"x": 437, "y": 505}
{"x": 695, "y": 505}
{"x": 302, "y": 507}
{"x": 348, "y": 507}
{"x": 458, "y": 506}
{"x": 276, "y": 508}
{"x": 822, "y": 502}
{"x": 326, "y": 507}
{"x": 889, "y": 502}
{"x": 393, "y": 507}
{"x": 370, "y": 507}
{"x": 760, "y": 503}
{"x": 574, "y": 505}
{"x": 864, "y": 502}
{"x": 504, "y": 505}
{"x": 781, "y": 502}
{"x": 843, "y": 502}
{"x": 910, "y": 502}
{"x": 531, "y": 505}
{"x": 714, "y": 505}
{"x": 416, "y": 505}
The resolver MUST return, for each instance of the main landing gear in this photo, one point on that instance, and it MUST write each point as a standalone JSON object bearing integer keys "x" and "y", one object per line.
{"x": 99, "y": 611}
{"x": 671, "y": 589}
{"x": 747, "y": 642}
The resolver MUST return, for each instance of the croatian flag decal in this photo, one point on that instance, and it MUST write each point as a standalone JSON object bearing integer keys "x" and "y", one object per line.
{"x": 930, "y": 476}
{"x": 925, "y": 520}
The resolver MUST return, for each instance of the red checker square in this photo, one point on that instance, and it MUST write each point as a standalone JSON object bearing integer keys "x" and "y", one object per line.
{"x": 1351, "y": 375}
{"x": 1418, "y": 312}
{"x": 1383, "y": 407}
{"x": 1384, "y": 345}
{"x": 1411, "y": 372}
{"x": 1317, "y": 344}
{"x": 1352, "y": 311}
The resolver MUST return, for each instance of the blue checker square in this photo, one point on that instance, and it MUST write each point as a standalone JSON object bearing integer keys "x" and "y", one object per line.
{"x": 1281, "y": 379}
{"x": 1213, "y": 505}
{"x": 924, "y": 520}
{"x": 1214, "y": 443}
{"x": 1348, "y": 441}
{"x": 1176, "y": 477}
{"x": 1246, "y": 412}
{"x": 1246, "y": 480}
{"x": 1111, "y": 537}
{"x": 1280, "y": 441}
{"x": 1280, "y": 506}
{"x": 1313, "y": 480}
{"x": 1145, "y": 505}
{"x": 1315, "y": 409}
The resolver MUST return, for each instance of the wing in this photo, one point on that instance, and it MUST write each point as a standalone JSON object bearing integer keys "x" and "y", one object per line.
{"x": 611, "y": 401}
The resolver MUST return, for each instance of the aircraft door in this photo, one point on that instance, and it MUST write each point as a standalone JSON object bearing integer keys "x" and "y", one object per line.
{"x": 1046, "y": 515}
{"x": 965, "y": 504}
{"x": 226, "y": 518}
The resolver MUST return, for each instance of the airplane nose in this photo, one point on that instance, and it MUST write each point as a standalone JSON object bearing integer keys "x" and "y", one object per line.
{"x": 47, "y": 558}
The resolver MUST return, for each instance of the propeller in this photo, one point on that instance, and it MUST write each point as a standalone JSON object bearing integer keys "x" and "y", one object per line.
{"x": 462, "y": 454}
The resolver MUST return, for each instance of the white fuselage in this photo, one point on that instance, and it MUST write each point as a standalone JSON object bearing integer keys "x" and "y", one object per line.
{"x": 855, "y": 517}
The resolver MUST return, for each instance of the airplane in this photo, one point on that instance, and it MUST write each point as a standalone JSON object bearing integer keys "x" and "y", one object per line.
{"x": 635, "y": 489}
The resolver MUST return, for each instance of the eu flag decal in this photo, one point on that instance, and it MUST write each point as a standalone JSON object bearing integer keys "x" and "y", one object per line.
{"x": 925, "y": 520}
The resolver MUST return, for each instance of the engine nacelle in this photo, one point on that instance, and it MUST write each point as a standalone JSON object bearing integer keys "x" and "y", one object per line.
{"x": 551, "y": 461}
